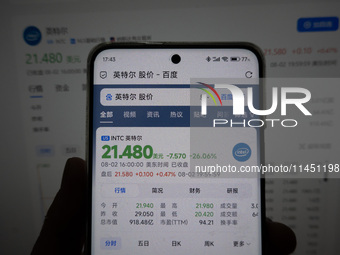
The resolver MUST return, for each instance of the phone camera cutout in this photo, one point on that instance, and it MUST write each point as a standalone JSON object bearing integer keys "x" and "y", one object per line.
{"x": 176, "y": 58}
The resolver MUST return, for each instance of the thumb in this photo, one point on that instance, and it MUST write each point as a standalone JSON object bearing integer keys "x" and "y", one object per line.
{"x": 64, "y": 226}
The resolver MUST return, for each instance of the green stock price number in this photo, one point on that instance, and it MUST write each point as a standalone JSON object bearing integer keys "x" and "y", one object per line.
{"x": 129, "y": 151}
{"x": 46, "y": 58}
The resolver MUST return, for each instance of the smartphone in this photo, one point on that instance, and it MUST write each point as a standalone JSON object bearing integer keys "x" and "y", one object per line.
{"x": 165, "y": 149}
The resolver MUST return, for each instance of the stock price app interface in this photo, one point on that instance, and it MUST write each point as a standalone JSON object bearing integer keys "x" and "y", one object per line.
{"x": 157, "y": 183}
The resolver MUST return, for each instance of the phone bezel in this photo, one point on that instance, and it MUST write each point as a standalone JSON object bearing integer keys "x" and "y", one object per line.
{"x": 164, "y": 45}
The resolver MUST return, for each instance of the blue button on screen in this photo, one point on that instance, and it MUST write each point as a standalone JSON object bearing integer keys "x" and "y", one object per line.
{"x": 319, "y": 24}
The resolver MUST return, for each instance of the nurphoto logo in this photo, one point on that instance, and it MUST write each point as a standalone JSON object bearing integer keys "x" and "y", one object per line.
{"x": 239, "y": 105}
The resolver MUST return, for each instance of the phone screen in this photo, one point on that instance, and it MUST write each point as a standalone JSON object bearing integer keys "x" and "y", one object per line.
{"x": 165, "y": 150}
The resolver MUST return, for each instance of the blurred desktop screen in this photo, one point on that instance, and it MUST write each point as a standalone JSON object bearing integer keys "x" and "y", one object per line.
{"x": 46, "y": 47}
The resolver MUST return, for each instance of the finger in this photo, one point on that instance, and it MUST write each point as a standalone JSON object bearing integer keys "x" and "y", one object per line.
{"x": 64, "y": 225}
{"x": 281, "y": 240}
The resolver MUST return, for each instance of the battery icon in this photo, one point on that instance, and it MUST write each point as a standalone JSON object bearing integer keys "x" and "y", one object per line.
{"x": 235, "y": 59}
